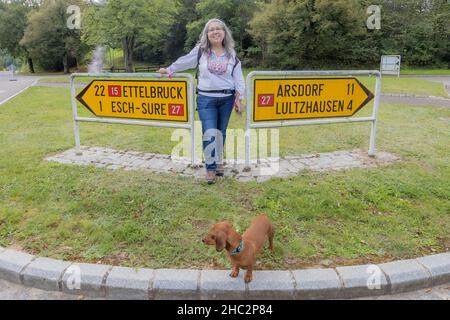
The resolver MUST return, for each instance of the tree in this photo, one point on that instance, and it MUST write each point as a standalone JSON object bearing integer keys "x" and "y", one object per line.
{"x": 308, "y": 33}
{"x": 419, "y": 30}
{"x": 175, "y": 43}
{"x": 129, "y": 22}
{"x": 235, "y": 13}
{"x": 13, "y": 21}
{"x": 49, "y": 39}
{"x": 441, "y": 30}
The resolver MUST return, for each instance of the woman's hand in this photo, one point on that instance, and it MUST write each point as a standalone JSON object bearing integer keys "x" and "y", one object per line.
{"x": 238, "y": 105}
{"x": 163, "y": 71}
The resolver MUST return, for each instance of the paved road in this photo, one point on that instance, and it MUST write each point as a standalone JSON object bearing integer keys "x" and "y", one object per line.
{"x": 9, "y": 89}
{"x": 436, "y": 293}
{"x": 420, "y": 101}
{"x": 416, "y": 101}
{"x": 445, "y": 80}
{"x": 12, "y": 291}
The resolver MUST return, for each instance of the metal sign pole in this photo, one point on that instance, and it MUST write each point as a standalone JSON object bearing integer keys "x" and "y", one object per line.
{"x": 192, "y": 117}
{"x": 247, "y": 126}
{"x": 376, "y": 104}
{"x": 75, "y": 116}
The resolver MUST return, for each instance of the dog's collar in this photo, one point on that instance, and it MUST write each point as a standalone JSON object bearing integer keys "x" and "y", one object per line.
{"x": 238, "y": 249}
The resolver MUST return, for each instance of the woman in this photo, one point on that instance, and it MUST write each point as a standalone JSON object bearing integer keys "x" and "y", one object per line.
{"x": 220, "y": 87}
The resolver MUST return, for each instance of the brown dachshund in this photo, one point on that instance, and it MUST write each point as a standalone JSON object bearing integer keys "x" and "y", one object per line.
{"x": 242, "y": 250}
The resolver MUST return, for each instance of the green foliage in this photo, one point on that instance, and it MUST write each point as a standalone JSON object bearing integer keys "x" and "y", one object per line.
{"x": 13, "y": 20}
{"x": 48, "y": 39}
{"x": 282, "y": 34}
{"x": 127, "y": 23}
{"x": 321, "y": 33}
{"x": 308, "y": 33}
{"x": 171, "y": 45}
{"x": 418, "y": 30}
{"x": 235, "y": 13}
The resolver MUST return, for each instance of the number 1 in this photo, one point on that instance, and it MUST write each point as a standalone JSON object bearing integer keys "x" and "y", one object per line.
{"x": 352, "y": 86}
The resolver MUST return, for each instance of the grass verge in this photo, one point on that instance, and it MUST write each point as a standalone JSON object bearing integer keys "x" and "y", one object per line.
{"x": 156, "y": 220}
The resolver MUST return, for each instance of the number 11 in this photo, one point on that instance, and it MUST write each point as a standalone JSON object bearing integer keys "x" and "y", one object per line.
{"x": 352, "y": 86}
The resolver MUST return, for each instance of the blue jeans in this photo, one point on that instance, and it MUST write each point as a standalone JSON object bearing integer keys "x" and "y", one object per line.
{"x": 214, "y": 114}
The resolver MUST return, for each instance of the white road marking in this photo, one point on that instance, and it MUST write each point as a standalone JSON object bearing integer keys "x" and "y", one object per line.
{"x": 14, "y": 95}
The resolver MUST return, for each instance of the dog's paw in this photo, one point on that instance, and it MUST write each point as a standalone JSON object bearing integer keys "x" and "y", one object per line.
{"x": 234, "y": 274}
{"x": 248, "y": 278}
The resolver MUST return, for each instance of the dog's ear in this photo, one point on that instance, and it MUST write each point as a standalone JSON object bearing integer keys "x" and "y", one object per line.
{"x": 228, "y": 225}
{"x": 221, "y": 240}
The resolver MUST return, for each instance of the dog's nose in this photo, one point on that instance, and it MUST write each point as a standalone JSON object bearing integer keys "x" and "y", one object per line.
{"x": 203, "y": 240}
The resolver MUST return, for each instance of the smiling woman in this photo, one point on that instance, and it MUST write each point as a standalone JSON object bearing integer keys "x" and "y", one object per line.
{"x": 220, "y": 87}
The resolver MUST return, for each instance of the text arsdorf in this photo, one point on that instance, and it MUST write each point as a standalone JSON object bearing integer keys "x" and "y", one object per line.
{"x": 287, "y": 99}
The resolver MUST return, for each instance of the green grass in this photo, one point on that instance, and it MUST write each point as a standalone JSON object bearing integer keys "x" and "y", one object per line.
{"x": 41, "y": 73}
{"x": 157, "y": 220}
{"x": 424, "y": 71}
{"x": 407, "y": 86}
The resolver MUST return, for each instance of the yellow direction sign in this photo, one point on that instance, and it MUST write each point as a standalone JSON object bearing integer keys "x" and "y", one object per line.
{"x": 137, "y": 99}
{"x": 306, "y": 98}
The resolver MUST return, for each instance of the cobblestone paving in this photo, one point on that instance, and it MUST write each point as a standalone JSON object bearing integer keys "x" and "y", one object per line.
{"x": 260, "y": 171}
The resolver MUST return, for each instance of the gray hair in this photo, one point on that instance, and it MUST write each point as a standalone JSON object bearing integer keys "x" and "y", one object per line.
{"x": 228, "y": 42}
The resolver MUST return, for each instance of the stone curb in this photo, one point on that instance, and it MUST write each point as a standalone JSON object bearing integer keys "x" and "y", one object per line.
{"x": 96, "y": 280}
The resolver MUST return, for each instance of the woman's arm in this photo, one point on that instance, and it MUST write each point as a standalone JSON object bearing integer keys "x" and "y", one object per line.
{"x": 239, "y": 82}
{"x": 185, "y": 62}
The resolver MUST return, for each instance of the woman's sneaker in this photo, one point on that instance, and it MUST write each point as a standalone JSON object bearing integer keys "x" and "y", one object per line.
{"x": 219, "y": 170}
{"x": 210, "y": 177}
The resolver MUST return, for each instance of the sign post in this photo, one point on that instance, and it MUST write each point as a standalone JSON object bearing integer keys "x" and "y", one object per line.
{"x": 156, "y": 102}
{"x": 298, "y": 98}
{"x": 390, "y": 64}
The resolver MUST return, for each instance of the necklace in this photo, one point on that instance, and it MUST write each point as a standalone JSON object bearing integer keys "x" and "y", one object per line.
{"x": 217, "y": 64}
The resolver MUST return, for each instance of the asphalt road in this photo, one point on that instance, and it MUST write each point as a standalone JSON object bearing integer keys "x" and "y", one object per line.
{"x": 12, "y": 291}
{"x": 9, "y": 89}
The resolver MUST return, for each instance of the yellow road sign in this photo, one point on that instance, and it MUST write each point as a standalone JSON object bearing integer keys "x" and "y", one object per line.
{"x": 137, "y": 99}
{"x": 306, "y": 98}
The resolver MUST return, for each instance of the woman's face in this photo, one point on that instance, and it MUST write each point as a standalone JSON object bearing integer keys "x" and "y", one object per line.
{"x": 215, "y": 33}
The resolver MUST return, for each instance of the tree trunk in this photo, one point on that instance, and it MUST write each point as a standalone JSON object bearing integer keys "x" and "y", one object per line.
{"x": 128, "y": 47}
{"x": 65, "y": 63}
{"x": 30, "y": 65}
